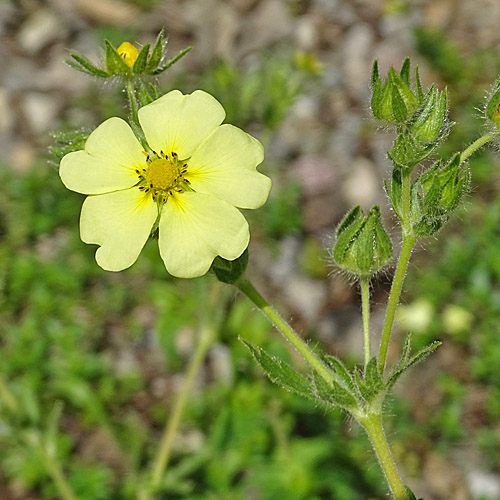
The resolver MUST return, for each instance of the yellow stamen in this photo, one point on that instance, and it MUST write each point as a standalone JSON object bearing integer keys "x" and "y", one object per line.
{"x": 162, "y": 174}
{"x": 128, "y": 53}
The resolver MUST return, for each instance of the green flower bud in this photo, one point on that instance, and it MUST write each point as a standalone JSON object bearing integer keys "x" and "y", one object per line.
{"x": 436, "y": 194}
{"x": 430, "y": 122}
{"x": 407, "y": 151}
{"x": 363, "y": 247}
{"x": 493, "y": 105}
{"x": 394, "y": 101}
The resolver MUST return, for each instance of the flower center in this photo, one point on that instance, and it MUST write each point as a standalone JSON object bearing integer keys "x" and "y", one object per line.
{"x": 162, "y": 176}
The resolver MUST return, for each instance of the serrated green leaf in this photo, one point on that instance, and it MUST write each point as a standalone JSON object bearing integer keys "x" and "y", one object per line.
{"x": 340, "y": 372}
{"x": 156, "y": 53}
{"x": 334, "y": 394}
{"x": 396, "y": 192}
{"x": 114, "y": 62}
{"x": 280, "y": 372}
{"x": 182, "y": 53}
{"x": 142, "y": 58}
{"x": 373, "y": 377}
{"x": 404, "y": 365}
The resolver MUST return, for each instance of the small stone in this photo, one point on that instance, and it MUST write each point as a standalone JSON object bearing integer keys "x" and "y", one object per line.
{"x": 40, "y": 112}
{"x": 483, "y": 485}
{"x": 357, "y": 56}
{"x": 39, "y": 30}
{"x": 362, "y": 185}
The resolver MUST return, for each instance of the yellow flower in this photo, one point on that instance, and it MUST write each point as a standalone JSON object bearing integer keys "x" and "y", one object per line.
{"x": 128, "y": 53}
{"x": 192, "y": 183}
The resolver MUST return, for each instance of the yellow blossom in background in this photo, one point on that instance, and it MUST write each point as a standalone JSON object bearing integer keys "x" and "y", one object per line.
{"x": 191, "y": 183}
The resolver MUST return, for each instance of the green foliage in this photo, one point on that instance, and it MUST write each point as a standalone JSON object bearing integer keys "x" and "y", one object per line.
{"x": 263, "y": 94}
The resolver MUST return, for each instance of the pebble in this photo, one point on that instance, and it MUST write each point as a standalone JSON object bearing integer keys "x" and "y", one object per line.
{"x": 40, "y": 29}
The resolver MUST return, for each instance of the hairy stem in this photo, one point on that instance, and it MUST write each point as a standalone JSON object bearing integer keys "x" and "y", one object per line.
{"x": 478, "y": 143}
{"x": 373, "y": 426}
{"x": 247, "y": 288}
{"x": 397, "y": 282}
{"x": 365, "y": 306}
{"x": 397, "y": 285}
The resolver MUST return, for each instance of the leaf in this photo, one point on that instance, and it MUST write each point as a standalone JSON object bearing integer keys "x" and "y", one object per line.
{"x": 84, "y": 65}
{"x": 182, "y": 53}
{"x": 340, "y": 372}
{"x": 280, "y": 372}
{"x": 333, "y": 394}
{"x": 406, "y": 362}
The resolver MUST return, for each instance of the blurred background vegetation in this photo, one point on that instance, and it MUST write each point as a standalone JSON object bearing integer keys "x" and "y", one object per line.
{"x": 94, "y": 360}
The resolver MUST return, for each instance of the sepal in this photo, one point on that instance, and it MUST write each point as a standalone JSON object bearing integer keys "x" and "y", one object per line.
{"x": 229, "y": 271}
{"x": 67, "y": 142}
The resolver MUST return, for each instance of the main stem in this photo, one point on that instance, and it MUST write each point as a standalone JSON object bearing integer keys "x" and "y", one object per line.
{"x": 365, "y": 306}
{"x": 397, "y": 282}
{"x": 373, "y": 426}
{"x": 163, "y": 455}
{"x": 247, "y": 288}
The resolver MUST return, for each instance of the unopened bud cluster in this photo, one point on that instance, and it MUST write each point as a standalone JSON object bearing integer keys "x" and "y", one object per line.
{"x": 420, "y": 118}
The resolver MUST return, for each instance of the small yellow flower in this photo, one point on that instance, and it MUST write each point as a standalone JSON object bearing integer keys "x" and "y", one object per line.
{"x": 198, "y": 174}
{"x": 128, "y": 52}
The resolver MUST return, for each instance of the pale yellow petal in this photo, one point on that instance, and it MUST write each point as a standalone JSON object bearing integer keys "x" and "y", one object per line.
{"x": 108, "y": 163}
{"x": 224, "y": 165}
{"x": 195, "y": 228}
{"x": 179, "y": 123}
{"x": 120, "y": 223}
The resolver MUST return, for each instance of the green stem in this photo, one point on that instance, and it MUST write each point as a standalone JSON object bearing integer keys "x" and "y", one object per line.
{"x": 163, "y": 455}
{"x": 365, "y": 306}
{"x": 392, "y": 303}
{"x": 404, "y": 257}
{"x": 373, "y": 426}
{"x": 476, "y": 145}
{"x": 54, "y": 469}
{"x": 133, "y": 101}
{"x": 247, "y": 288}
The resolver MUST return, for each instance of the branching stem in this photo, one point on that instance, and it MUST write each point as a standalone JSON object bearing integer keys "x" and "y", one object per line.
{"x": 478, "y": 143}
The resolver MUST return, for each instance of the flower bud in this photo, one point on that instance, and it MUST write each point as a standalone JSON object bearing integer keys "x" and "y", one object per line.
{"x": 436, "y": 194}
{"x": 493, "y": 105}
{"x": 127, "y": 61}
{"x": 430, "y": 122}
{"x": 363, "y": 247}
{"x": 394, "y": 101}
